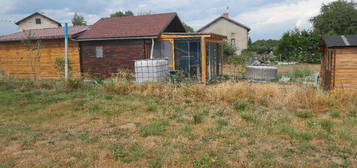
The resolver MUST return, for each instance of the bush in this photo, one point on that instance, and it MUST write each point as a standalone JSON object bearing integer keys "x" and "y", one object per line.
{"x": 300, "y": 45}
{"x": 59, "y": 65}
{"x": 228, "y": 51}
{"x": 73, "y": 83}
{"x": 241, "y": 105}
{"x": 197, "y": 118}
{"x": 326, "y": 125}
{"x": 240, "y": 59}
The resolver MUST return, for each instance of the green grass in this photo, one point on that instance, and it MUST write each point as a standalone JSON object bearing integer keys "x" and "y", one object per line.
{"x": 154, "y": 128}
{"x": 84, "y": 125}
{"x": 305, "y": 114}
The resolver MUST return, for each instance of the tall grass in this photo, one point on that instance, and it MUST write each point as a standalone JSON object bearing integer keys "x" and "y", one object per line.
{"x": 274, "y": 95}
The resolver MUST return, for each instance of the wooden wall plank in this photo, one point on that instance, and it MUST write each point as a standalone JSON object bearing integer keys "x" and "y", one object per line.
{"x": 17, "y": 61}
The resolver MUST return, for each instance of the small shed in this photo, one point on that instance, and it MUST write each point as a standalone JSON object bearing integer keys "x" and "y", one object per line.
{"x": 339, "y": 62}
{"x": 33, "y": 53}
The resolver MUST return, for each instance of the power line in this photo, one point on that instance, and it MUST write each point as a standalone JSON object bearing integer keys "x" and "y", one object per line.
{"x": 7, "y": 21}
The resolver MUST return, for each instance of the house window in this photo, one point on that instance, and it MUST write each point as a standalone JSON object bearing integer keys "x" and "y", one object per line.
{"x": 233, "y": 41}
{"x": 99, "y": 52}
{"x": 38, "y": 21}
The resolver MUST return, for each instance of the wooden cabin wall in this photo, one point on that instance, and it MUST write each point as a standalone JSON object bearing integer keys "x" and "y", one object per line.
{"x": 117, "y": 55}
{"x": 346, "y": 69}
{"x": 18, "y": 61}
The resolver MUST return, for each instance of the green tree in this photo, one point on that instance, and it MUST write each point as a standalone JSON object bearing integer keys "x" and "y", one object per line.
{"x": 336, "y": 18}
{"x": 264, "y": 46}
{"x": 249, "y": 42}
{"x": 78, "y": 20}
{"x": 300, "y": 45}
{"x": 228, "y": 51}
{"x": 122, "y": 13}
{"x": 188, "y": 28}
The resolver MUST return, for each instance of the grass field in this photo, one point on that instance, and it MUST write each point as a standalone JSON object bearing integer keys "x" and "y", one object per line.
{"x": 120, "y": 124}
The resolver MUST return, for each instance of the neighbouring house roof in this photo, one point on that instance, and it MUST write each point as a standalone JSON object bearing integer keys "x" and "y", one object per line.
{"x": 148, "y": 26}
{"x": 226, "y": 18}
{"x": 340, "y": 41}
{"x": 193, "y": 34}
{"x": 38, "y": 13}
{"x": 43, "y": 34}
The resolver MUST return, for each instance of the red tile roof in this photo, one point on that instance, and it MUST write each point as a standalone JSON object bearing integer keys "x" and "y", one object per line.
{"x": 128, "y": 27}
{"x": 41, "y": 34}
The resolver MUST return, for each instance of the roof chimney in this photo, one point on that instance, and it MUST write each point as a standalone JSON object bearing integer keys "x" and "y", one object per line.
{"x": 226, "y": 14}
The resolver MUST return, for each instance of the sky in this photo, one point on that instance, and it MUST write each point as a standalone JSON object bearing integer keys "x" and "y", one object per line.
{"x": 268, "y": 19}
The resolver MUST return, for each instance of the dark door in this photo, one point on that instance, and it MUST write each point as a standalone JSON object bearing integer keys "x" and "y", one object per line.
{"x": 329, "y": 69}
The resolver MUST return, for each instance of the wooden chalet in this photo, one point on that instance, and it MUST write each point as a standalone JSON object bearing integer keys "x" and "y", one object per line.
{"x": 339, "y": 62}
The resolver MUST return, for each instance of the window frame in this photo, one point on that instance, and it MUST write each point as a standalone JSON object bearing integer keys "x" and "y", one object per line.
{"x": 99, "y": 52}
{"x": 38, "y": 21}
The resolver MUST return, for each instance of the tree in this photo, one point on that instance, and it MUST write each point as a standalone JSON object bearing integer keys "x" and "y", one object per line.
{"x": 249, "y": 42}
{"x": 78, "y": 20}
{"x": 264, "y": 46}
{"x": 188, "y": 28}
{"x": 336, "y": 18}
{"x": 300, "y": 45}
{"x": 122, "y": 13}
{"x": 33, "y": 48}
{"x": 228, "y": 51}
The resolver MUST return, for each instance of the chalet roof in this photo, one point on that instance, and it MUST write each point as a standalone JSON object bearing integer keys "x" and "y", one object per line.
{"x": 131, "y": 27}
{"x": 38, "y": 13}
{"x": 226, "y": 18}
{"x": 42, "y": 34}
{"x": 340, "y": 41}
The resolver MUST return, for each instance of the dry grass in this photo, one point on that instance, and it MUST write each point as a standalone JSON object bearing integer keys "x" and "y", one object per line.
{"x": 289, "y": 68}
{"x": 121, "y": 124}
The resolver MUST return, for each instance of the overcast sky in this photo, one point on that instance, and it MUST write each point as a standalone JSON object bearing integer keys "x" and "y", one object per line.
{"x": 268, "y": 19}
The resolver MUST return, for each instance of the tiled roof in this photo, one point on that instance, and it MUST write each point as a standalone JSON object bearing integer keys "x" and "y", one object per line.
{"x": 129, "y": 27}
{"x": 340, "y": 41}
{"x": 42, "y": 34}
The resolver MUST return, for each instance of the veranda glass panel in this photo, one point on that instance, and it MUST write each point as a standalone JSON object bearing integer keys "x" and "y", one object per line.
{"x": 163, "y": 50}
{"x": 188, "y": 58}
{"x": 213, "y": 60}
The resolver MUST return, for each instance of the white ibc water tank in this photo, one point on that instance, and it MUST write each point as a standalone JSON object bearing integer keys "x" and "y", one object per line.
{"x": 151, "y": 70}
{"x": 266, "y": 73}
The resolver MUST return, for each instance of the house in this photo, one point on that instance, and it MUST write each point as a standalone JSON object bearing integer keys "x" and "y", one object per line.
{"x": 236, "y": 32}
{"x": 113, "y": 44}
{"x": 339, "y": 62}
{"x": 37, "y": 21}
{"x": 32, "y": 53}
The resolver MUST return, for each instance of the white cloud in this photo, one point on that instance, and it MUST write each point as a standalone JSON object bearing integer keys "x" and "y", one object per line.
{"x": 297, "y": 11}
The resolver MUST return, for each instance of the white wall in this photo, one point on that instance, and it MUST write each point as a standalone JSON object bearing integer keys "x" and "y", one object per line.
{"x": 231, "y": 30}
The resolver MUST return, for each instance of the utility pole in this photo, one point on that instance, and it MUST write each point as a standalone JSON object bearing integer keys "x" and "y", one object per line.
{"x": 66, "y": 51}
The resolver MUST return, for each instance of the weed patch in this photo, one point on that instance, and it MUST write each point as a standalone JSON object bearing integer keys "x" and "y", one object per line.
{"x": 241, "y": 105}
{"x": 154, "y": 128}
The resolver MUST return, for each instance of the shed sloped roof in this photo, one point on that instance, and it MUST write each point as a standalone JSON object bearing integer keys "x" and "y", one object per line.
{"x": 340, "y": 41}
{"x": 41, "y": 34}
{"x": 226, "y": 18}
{"x": 130, "y": 26}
